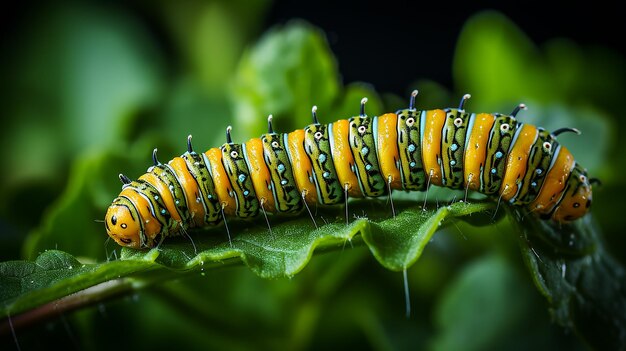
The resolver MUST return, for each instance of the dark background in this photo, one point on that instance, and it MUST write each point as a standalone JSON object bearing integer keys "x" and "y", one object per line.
{"x": 360, "y": 32}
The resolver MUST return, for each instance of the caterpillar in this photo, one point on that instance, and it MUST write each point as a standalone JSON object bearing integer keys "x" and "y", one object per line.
{"x": 362, "y": 156}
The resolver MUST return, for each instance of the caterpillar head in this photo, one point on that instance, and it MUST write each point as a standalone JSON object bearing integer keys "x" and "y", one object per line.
{"x": 577, "y": 198}
{"x": 122, "y": 223}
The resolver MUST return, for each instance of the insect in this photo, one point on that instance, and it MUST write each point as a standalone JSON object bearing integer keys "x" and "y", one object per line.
{"x": 362, "y": 156}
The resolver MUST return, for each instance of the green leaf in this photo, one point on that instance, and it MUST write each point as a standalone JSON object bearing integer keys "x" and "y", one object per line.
{"x": 211, "y": 35}
{"x": 585, "y": 286}
{"x": 497, "y": 63}
{"x": 490, "y": 286}
{"x": 283, "y": 252}
{"x": 80, "y": 75}
{"x": 398, "y": 242}
{"x": 307, "y": 75}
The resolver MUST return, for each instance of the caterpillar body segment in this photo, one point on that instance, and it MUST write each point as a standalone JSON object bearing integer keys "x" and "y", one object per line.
{"x": 361, "y": 156}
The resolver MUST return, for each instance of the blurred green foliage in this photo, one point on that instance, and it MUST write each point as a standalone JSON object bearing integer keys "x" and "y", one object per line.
{"x": 93, "y": 91}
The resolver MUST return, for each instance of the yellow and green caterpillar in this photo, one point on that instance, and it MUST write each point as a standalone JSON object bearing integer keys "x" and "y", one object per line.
{"x": 361, "y": 156}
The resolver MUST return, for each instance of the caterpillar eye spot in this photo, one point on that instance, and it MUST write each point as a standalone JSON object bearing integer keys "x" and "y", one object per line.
{"x": 318, "y": 135}
{"x": 113, "y": 220}
{"x": 362, "y": 129}
{"x": 410, "y": 121}
{"x": 234, "y": 154}
{"x": 576, "y": 205}
{"x": 458, "y": 122}
{"x": 547, "y": 146}
{"x": 583, "y": 179}
{"x": 124, "y": 225}
{"x": 275, "y": 144}
{"x": 504, "y": 127}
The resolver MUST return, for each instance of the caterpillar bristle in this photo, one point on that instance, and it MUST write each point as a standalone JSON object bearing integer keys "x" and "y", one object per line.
{"x": 314, "y": 115}
{"x": 229, "y": 139}
{"x": 517, "y": 109}
{"x": 124, "y": 179}
{"x": 155, "y": 161}
{"x": 412, "y": 100}
{"x": 565, "y": 130}
{"x": 189, "y": 146}
{"x": 463, "y": 101}
{"x": 270, "y": 130}
{"x": 362, "y": 111}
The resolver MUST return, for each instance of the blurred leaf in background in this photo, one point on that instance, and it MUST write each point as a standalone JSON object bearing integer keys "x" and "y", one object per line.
{"x": 76, "y": 79}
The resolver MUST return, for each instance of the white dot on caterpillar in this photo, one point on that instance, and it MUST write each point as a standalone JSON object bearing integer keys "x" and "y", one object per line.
{"x": 362, "y": 129}
{"x": 547, "y": 146}
{"x": 458, "y": 122}
{"x": 504, "y": 128}
{"x": 275, "y": 144}
{"x": 234, "y": 154}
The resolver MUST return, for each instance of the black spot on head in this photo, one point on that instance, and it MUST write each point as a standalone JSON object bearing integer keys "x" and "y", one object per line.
{"x": 588, "y": 204}
{"x": 576, "y": 205}
{"x": 569, "y": 218}
{"x": 126, "y": 241}
{"x": 113, "y": 220}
